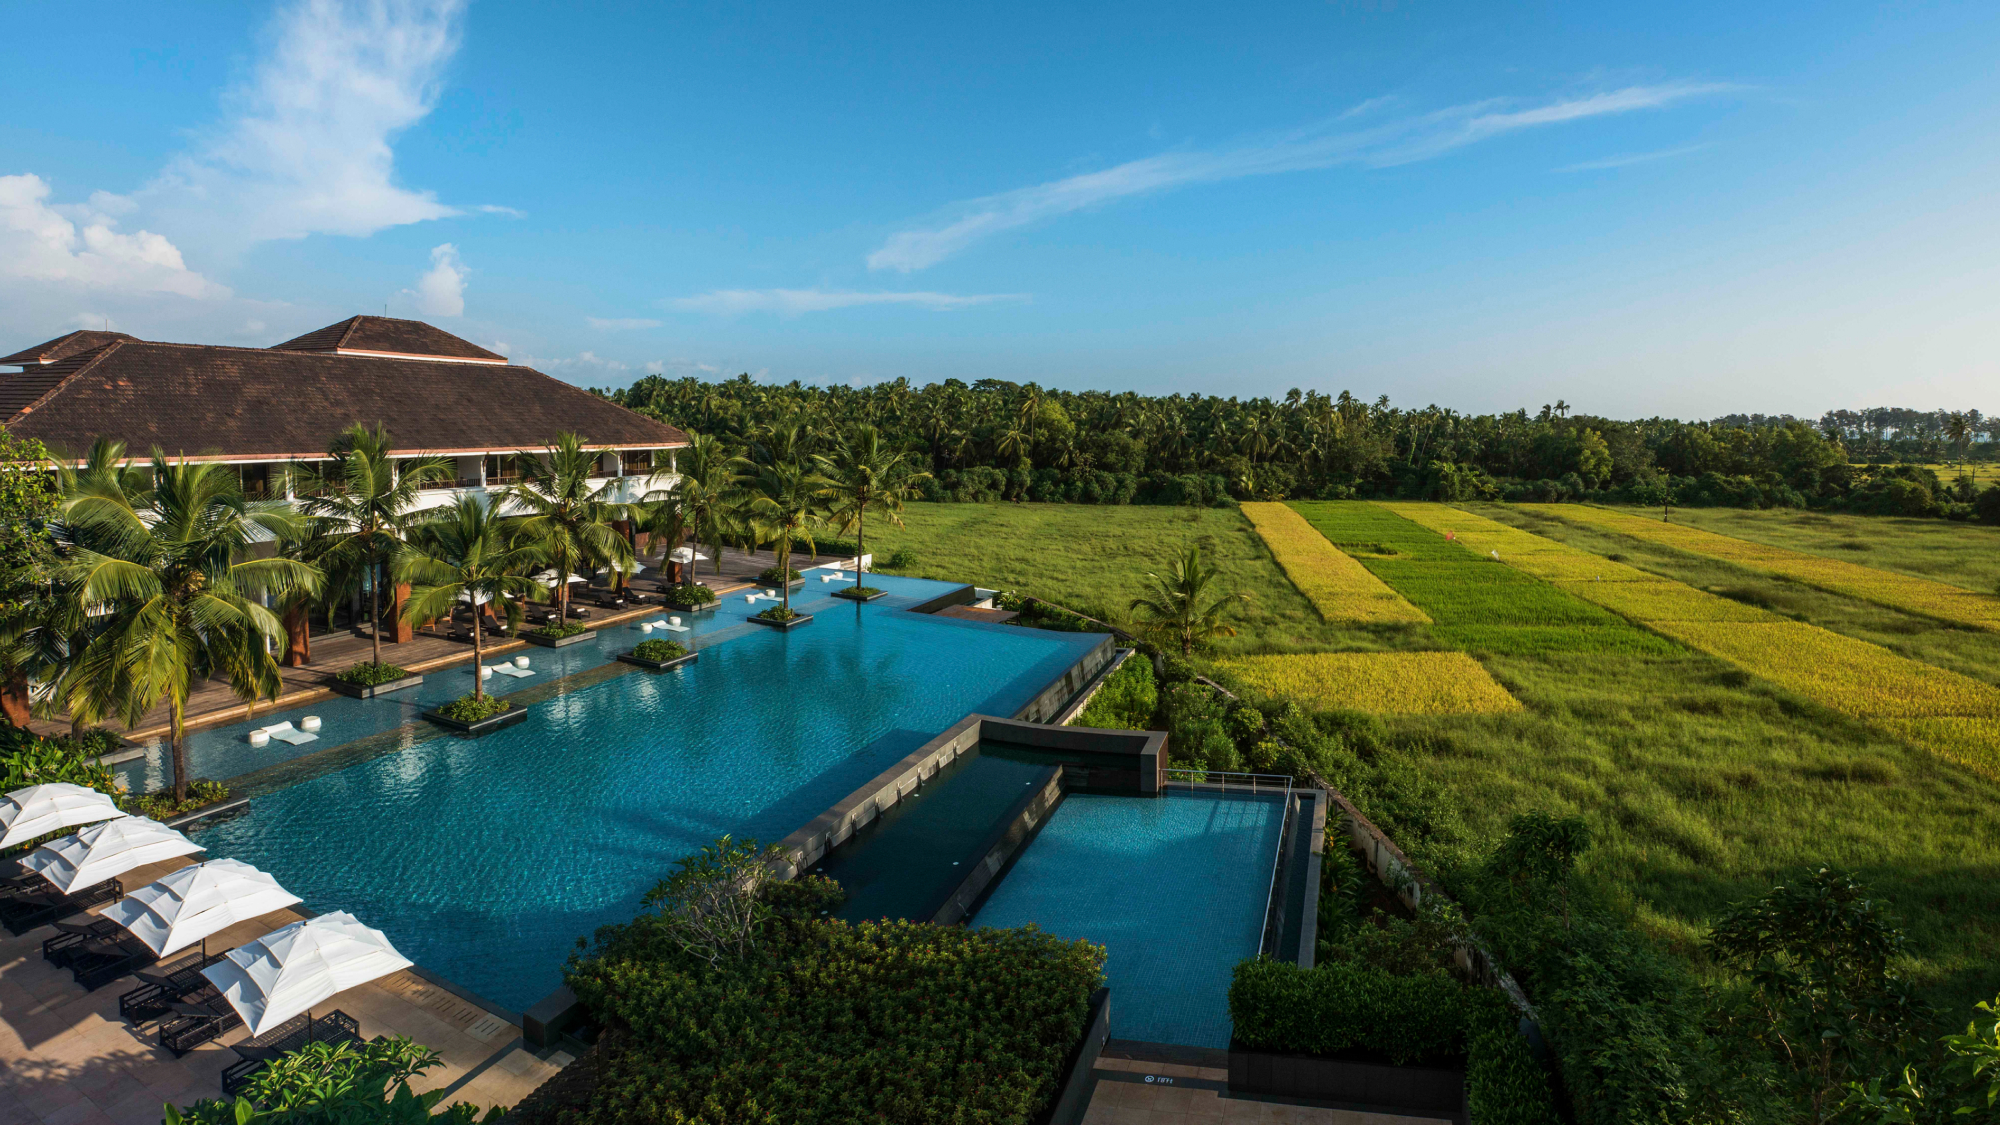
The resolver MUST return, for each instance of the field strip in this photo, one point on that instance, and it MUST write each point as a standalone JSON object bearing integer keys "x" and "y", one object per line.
{"x": 1383, "y": 683}
{"x": 1338, "y": 586}
{"x": 1949, "y": 714}
{"x": 1939, "y": 600}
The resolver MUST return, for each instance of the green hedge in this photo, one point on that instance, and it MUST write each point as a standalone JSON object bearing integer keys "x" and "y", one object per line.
{"x": 1504, "y": 1083}
{"x": 661, "y": 651}
{"x": 1127, "y": 700}
{"x": 370, "y": 674}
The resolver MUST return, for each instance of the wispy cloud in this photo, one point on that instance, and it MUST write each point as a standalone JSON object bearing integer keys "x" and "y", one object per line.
{"x": 496, "y": 209}
{"x": 1630, "y": 159}
{"x": 1322, "y": 145}
{"x": 441, "y": 289}
{"x": 618, "y": 324}
{"x": 792, "y": 302}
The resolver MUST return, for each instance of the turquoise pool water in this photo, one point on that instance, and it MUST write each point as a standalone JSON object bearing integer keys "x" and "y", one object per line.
{"x": 1175, "y": 890}
{"x": 485, "y": 859}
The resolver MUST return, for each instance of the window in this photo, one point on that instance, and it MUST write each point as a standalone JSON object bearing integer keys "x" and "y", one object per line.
{"x": 263, "y": 482}
{"x": 637, "y": 462}
{"x": 500, "y": 469}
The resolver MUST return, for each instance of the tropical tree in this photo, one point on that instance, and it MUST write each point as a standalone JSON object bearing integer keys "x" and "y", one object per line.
{"x": 566, "y": 519}
{"x": 367, "y": 502}
{"x": 166, "y": 574}
{"x": 784, "y": 503}
{"x": 1184, "y": 606}
{"x": 709, "y": 479}
{"x": 467, "y": 556}
{"x": 865, "y": 475}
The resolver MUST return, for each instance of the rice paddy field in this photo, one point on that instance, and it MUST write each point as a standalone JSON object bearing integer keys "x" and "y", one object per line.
{"x": 1719, "y": 725}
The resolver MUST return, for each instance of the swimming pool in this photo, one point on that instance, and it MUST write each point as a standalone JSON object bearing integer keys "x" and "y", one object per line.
{"x": 485, "y": 859}
{"x": 1174, "y": 888}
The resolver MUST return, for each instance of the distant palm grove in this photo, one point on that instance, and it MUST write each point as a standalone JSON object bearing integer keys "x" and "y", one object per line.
{"x": 995, "y": 440}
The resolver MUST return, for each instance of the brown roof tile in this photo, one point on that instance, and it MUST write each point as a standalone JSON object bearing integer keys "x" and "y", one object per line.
{"x": 384, "y": 336}
{"x": 62, "y": 347}
{"x": 257, "y": 403}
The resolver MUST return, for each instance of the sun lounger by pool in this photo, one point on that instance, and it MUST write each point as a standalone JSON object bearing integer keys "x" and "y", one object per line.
{"x": 158, "y": 991}
{"x": 286, "y": 732}
{"x": 508, "y": 669}
{"x": 26, "y": 910}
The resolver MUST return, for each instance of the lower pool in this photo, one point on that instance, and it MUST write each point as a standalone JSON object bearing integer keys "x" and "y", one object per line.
{"x": 485, "y": 860}
{"x": 1174, "y": 888}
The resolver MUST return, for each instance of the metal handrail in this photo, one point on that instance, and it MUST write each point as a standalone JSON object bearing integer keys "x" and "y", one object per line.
{"x": 1225, "y": 779}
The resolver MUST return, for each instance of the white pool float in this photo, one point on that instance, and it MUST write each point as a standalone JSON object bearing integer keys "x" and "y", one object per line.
{"x": 520, "y": 662}
{"x": 309, "y": 724}
{"x": 260, "y": 738}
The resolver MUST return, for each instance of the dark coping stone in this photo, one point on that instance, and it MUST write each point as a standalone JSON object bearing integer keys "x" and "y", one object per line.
{"x": 490, "y": 723}
{"x": 557, "y": 642}
{"x": 794, "y": 623}
{"x": 1353, "y": 1082}
{"x": 356, "y": 691}
{"x": 656, "y": 665}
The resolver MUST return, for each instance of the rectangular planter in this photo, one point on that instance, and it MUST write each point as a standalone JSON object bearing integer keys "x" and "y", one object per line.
{"x": 794, "y": 623}
{"x": 704, "y": 607}
{"x": 763, "y": 585}
{"x": 356, "y": 691}
{"x": 657, "y": 665}
{"x": 487, "y": 725}
{"x": 1073, "y": 1096}
{"x": 1382, "y": 1086}
{"x": 850, "y": 597}
{"x": 558, "y": 642}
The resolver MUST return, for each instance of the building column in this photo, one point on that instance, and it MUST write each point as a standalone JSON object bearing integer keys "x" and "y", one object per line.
{"x": 399, "y": 630}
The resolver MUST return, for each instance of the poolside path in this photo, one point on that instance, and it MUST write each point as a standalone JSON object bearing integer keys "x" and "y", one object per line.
{"x": 66, "y": 1058}
{"x": 1152, "y": 1092}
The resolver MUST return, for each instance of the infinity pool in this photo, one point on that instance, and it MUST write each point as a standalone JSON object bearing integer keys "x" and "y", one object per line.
{"x": 484, "y": 860}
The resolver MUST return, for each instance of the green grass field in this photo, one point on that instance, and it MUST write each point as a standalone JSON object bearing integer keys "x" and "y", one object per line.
{"x": 1703, "y": 785}
{"x": 1962, "y": 554}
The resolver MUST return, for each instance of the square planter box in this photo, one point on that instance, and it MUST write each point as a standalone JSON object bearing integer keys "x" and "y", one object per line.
{"x": 657, "y": 665}
{"x": 846, "y": 594}
{"x": 705, "y": 607}
{"x": 761, "y": 584}
{"x": 557, "y": 642}
{"x": 356, "y": 691}
{"x": 794, "y": 623}
{"x": 507, "y": 718}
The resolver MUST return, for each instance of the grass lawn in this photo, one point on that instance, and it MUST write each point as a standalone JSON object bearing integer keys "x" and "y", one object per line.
{"x": 1962, "y": 554}
{"x": 1702, "y": 784}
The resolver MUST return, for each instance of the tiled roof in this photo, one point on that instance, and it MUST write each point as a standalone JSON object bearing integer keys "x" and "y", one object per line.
{"x": 196, "y": 400}
{"x": 383, "y": 336}
{"x": 62, "y": 347}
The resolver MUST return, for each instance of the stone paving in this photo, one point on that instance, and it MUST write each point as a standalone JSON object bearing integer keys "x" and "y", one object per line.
{"x": 1196, "y": 1095}
{"x": 66, "y": 1058}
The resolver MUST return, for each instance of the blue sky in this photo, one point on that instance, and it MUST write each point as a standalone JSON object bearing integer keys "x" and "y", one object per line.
{"x": 1688, "y": 210}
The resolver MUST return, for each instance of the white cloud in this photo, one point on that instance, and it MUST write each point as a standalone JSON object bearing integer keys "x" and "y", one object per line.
{"x": 496, "y": 209}
{"x": 1321, "y": 145}
{"x": 792, "y": 302}
{"x": 307, "y": 150}
{"x": 441, "y": 289}
{"x": 579, "y": 362}
{"x": 79, "y": 245}
{"x": 620, "y": 323}
{"x": 1630, "y": 159}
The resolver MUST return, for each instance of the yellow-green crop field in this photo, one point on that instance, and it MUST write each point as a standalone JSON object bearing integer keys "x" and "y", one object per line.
{"x": 1847, "y": 675}
{"x": 1897, "y": 591}
{"x": 1338, "y": 586}
{"x": 1384, "y": 683}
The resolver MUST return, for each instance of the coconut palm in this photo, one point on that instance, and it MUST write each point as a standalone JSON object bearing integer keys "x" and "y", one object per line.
{"x": 1183, "y": 607}
{"x": 709, "y": 477}
{"x": 866, "y": 475}
{"x": 784, "y": 503}
{"x": 566, "y": 519}
{"x": 165, "y": 574}
{"x": 367, "y": 502}
{"x": 467, "y": 556}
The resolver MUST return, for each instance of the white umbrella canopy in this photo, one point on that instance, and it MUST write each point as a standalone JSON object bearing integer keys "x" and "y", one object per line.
{"x": 686, "y": 555}
{"x": 288, "y": 970}
{"x": 196, "y": 901}
{"x": 548, "y": 578}
{"x": 41, "y": 809}
{"x": 106, "y": 851}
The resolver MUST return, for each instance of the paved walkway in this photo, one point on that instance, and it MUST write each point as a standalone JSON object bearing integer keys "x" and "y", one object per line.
{"x": 66, "y": 1058}
{"x": 1197, "y": 1095}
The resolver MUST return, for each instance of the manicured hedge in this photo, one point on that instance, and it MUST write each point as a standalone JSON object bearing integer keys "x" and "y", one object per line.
{"x": 1127, "y": 700}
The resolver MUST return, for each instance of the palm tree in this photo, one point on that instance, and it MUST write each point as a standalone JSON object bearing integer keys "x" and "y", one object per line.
{"x": 165, "y": 574}
{"x": 1178, "y": 606}
{"x": 368, "y": 503}
{"x": 568, "y": 520}
{"x": 709, "y": 476}
{"x": 467, "y": 556}
{"x": 784, "y": 503}
{"x": 865, "y": 475}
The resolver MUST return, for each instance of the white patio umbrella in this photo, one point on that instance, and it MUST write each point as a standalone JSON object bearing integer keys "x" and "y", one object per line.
{"x": 686, "y": 555}
{"x": 106, "y": 851}
{"x": 548, "y": 578}
{"x": 41, "y": 809}
{"x": 196, "y": 901}
{"x": 288, "y": 970}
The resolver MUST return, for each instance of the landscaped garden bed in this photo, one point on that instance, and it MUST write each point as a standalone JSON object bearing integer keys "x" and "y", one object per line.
{"x": 773, "y": 577}
{"x": 658, "y": 656}
{"x": 860, "y": 593}
{"x": 476, "y": 715}
{"x": 556, "y": 636}
{"x": 778, "y": 617}
{"x": 367, "y": 680}
{"x": 690, "y": 597}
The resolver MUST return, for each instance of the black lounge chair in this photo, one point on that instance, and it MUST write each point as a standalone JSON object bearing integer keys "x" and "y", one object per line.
{"x": 96, "y": 964}
{"x": 282, "y": 1040}
{"x": 157, "y": 992}
{"x": 198, "y": 1018}
{"x": 26, "y": 910}
{"x": 70, "y": 936}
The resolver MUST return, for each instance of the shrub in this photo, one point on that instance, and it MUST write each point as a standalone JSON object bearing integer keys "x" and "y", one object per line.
{"x": 661, "y": 651}
{"x": 556, "y": 630}
{"x": 161, "y": 805}
{"x": 369, "y": 674}
{"x": 902, "y": 558}
{"x": 771, "y": 575}
{"x": 1504, "y": 1084}
{"x": 472, "y": 708}
{"x": 1198, "y": 730}
{"x": 779, "y": 613}
{"x": 1127, "y": 699}
{"x": 29, "y": 759}
{"x": 345, "y": 1083}
{"x": 856, "y": 592}
{"x": 1277, "y": 1006}
{"x": 688, "y": 593}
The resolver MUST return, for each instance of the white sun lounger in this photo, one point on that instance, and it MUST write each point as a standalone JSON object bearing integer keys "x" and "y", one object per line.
{"x": 508, "y": 669}
{"x": 286, "y": 732}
